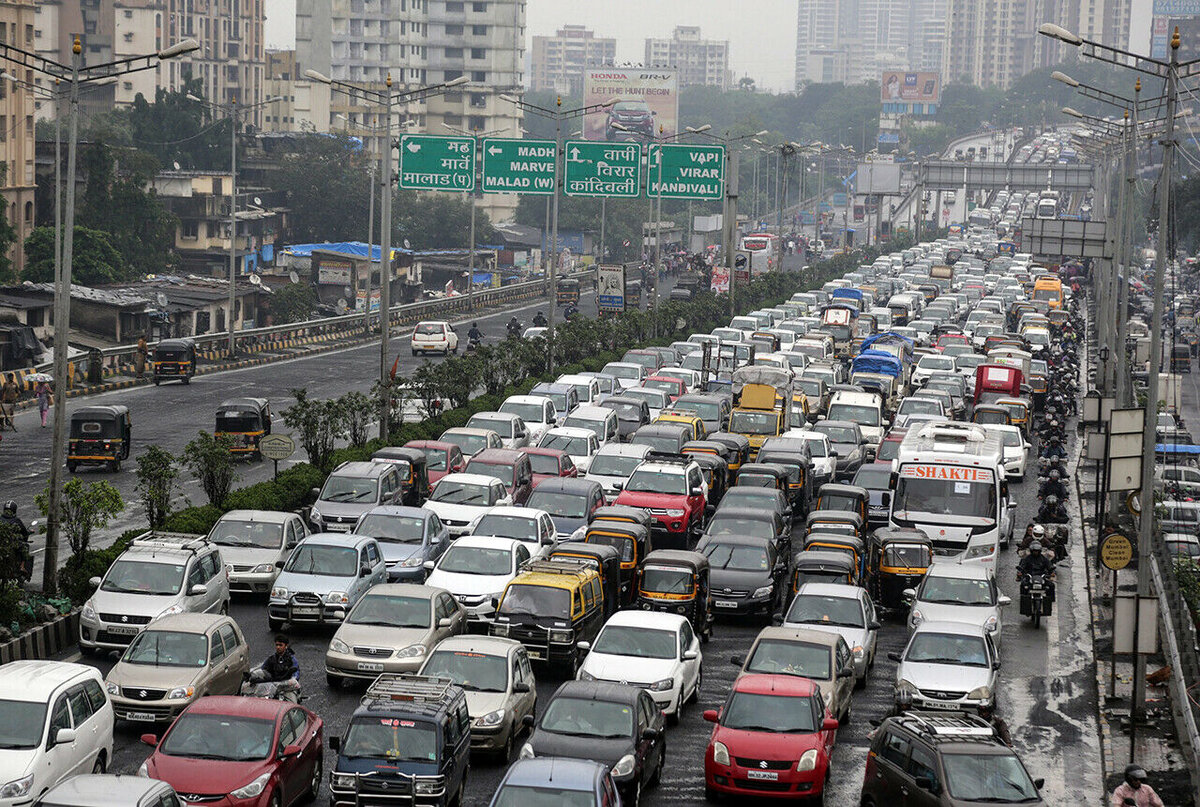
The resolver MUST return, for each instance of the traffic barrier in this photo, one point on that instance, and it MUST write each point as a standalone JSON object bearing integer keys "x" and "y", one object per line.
{"x": 44, "y": 641}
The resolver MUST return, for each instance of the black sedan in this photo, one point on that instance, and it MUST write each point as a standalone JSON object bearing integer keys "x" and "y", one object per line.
{"x": 747, "y": 574}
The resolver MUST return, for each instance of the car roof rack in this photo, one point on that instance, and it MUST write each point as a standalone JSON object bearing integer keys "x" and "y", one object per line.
{"x": 170, "y": 540}
{"x": 955, "y": 725}
{"x": 407, "y": 688}
{"x": 662, "y": 458}
{"x": 557, "y": 566}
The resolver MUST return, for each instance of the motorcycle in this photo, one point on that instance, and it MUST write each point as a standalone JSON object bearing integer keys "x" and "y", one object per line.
{"x": 288, "y": 690}
{"x": 473, "y": 345}
{"x": 514, "y": 329}
{"x": 1036, "y": 601}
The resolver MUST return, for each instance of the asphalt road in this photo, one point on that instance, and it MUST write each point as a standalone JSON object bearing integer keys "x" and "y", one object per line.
{"x": 1047, "y": 696}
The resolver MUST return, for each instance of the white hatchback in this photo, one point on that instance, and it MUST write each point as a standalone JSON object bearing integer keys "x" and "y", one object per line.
{"x": 434, "y": 336}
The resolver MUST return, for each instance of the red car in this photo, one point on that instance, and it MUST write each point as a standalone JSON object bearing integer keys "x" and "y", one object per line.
{"x": 550, "y": 463}
{"x": 231, "y": 751}
{"x": 672, "y": 386}
{"x": 443, "y": 458}
{"x": 773, "y": 739}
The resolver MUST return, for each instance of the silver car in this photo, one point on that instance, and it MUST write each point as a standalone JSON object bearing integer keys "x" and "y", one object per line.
{"x": 254, "y": 545}
{"x": 948, "y": 665}
{"x": 351, "y": 490}
{"x": 958, "y": 592}
{"x": 326, "y": 575}
{"x": 842, "y": 609}
{"x": 109, "y": 790}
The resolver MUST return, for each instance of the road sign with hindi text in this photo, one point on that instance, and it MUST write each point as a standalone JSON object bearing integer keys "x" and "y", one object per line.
{"x": 437, "y": 163}
{"x": 679, "y": 171}
{"x": 602, "y": 169}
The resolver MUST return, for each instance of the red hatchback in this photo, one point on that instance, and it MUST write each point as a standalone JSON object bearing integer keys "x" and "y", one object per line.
{"x": 773, "y": 739}
{"x": 230, "y": 751}
{"x": 442, "y": 458}
{"x": 668, "y": 384}
{"x": 550, "y": 463}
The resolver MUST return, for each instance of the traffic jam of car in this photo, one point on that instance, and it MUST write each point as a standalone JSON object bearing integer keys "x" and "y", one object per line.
{"x": 536, "y": 589}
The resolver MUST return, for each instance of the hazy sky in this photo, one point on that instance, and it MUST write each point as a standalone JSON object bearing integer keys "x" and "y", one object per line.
{"x": 762, "y": 33}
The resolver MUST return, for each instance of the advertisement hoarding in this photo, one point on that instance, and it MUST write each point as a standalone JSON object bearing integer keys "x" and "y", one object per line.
{"x": 610, "y": 291}
{"x": 1176, "y": 8}
{"x": 646, "y": 103}
{"x": 896, "y": 86}
{"x": 334, "y": 273}
{"x": 876, "y": 178}
{"x": 720, "y": 279}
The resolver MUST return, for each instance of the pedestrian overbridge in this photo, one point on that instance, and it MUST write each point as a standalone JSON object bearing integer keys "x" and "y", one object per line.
{"x": 948, "y": 175}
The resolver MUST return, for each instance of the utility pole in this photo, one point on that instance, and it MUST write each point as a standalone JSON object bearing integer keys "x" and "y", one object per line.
{"x": 370, "y": 247}
{"x": 729, "y": 221}
{"x": 233, "y": 127}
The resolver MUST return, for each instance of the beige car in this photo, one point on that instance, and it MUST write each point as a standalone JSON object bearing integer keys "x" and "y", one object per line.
{"x": 390, "y": 630}
{"x": 499, "y": 683}
{"x": 823, "y": 658}
{"x": 174, "y": 661}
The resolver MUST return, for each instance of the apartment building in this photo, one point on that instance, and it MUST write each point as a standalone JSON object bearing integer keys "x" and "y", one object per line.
{"x": 557, "y": 62}
{"x": 16, "y": 130}
{"x": 700, "y": 62}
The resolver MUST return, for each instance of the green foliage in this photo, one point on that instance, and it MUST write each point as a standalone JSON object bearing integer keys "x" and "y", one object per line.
{"x": 175, "y": 129}
{"x": 194, "y": 520}
{"x": 157, "y": 475}
{"x": 73, "y": 577}
{"x": 441, "y": 221}
{"x": 95, "y": 260}
{"x": 317, "y": 425}
{"x": 83, "y": 508}
{"x": 321, "y": 168}
{"x": 1187, "y": 574}
{"x": 292, "y": 303}
{"x": 358, "y": 413}
{"x": 926, "y": 140}
{"x": 209, "y": 459}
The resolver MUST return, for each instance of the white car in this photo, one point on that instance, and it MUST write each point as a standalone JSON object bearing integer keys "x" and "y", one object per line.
{"x": 580, "y": 444}
{"x": 527, "y": 524}
{"x": 587, "y": 387}
{"x": 932, "y": 363}
{"x": 459, "y": 499}
{"x": 55, "y": 723}
{"x": 476, "y": 569}
{"x": 627, "y": 373}
{"x": 949, "y": 665}
{"x": 824, "y": 463}
{"x": 512, "y": 430}
{"x": 434, "y": 336}
{"x": 958, "y": 592}
{"x": 842, "y": 609}
{"x": 655, "y": 651}
{"x": 537, "y": 412}
{"x": 534, "y": 332}
{"x": 690, "y": 378}
{"x": 613, "y": 465}
{"x": 1016, "y": 450}
{"x": 598, "y": 419}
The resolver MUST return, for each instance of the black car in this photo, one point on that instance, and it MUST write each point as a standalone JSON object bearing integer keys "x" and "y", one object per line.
{"x": 849, "y": 443}
{"x": 615, "y": 724}
{"x": 635, "y": 118}
{"x": 569, "y": 501}
{"x": 747, "y": 574}
{"x": 632, "y": 414}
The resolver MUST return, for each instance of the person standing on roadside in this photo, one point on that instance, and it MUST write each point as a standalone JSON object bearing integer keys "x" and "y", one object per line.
{"x": 8, "y": 403}
{"x": 139, "y": 358}
{"x": 45, "y": 399}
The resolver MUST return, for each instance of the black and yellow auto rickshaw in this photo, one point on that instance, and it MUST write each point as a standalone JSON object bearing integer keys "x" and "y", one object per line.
{"x": 712, "y": 448}
{"x": 99, "y": 435}
{"x": 847, "y": 498}
{"x": 568, "y": 291}
{"x": 604, "y": 559}
{"x": 632, "y": 541}
{"x": 244, "y": 421}
{"x": 851, "y": 546}
{"x": 765, "y": 475}
{"x": 414, "y": 472}
{"x": 1181, "y": 359}
{"x": 740, "y": 445}
{"x": 174, "y": 360}
{"x": 764, "y": 341}
{"x": 623, "y": 514}
{"x": 716, "y": 474}
{"x": 842, "y": 522}
{"x": 677, "y": 581}
{"x": 991, "y": 415}
{"x": 897, "y": 559}
{"x": 821, "y": 566}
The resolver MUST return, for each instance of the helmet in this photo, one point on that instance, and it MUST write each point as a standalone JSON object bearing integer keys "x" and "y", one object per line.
{"x": 1036, "y": 546}
{"x": 1135, "y": 771}
{"x": 10, "y": 508}
{"x": 474, "y": 324}
{"x": 1038, "y": 531}
{"x": 1054, "y": 474}
{"x": 1051, "y": 500}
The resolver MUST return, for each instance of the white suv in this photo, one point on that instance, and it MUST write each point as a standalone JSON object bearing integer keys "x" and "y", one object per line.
{"x": 434, "y": 336}
{"x": 55, "y": 723}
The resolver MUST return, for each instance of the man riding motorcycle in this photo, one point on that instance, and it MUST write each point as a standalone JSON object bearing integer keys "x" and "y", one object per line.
{"x": 1052, "y": 511}
{"x": 539, "y": 320}
{"x": 11, "y": 520}
{"x": 280, "y": 665}
{"x": 475, "y": 335}
{"x": 1053, "y": 486}
{"x": 1035, "y": 564}
{"x": 514, "y": 326}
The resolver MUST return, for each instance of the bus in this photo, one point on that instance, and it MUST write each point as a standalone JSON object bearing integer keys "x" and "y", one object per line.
{"x": 948, "y": 481}
{"x": 1048, "y": 289}
{"x": 763, "y": 247}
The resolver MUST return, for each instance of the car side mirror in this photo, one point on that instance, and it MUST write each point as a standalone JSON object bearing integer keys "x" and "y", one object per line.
{"x": 996, "y": 665}
{"x": 522, "y": 686}
{"x": 94, "y": 582}
{"x": 527, "y": 721}
{"x": 874, "y": 625}
{"x": 495, "y": 602}
{"x": 428, "y": 565}
{"x": 198, "y": 590}
{"x": 845, "y": 672}
{"x": 691, "y": 655}
{"x": 445, "y": 622}
{"x": 335, "y": 743}
{"x": 1040, "y": 783}
{"x": 829, "y": 724}
{"x": 64, "y": 737}
{"x": 1004, "y": 600}
{"x": 924, "y": 782}
{"x": 618, "y": 486}
{"x": 150, "y": 740}
{"x": 584, "y": 646}
{"x": 278, "y": 564}
{"x": 289, "y": 751}
{"x": 316, "y": 492}
{"x": 365, "y": 571}
{"x": 908, "y": 595}
{"x": 650, "y": 733}
{"x": 711, "y": 715}
{"x": 737, "y": 661}
{"x": 894, "y": 656}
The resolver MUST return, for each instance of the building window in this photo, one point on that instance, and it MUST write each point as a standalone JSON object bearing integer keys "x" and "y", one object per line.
{"x": 476, "y": 123}
{"x": 189, "y": 228}
{"x": 478, "y": 76}
{"x": 479, "y": 8}
{"x": 29, "y": 212}
{"x": 454, "y": 53}
{"x": 454, "y": 30}
{"x": 479, "y": 30}
{"x": 453, "y": 120}
{"x": 478, "y": 99}
{"x": 454, "y": 7}
{"x": 478, "y": 53}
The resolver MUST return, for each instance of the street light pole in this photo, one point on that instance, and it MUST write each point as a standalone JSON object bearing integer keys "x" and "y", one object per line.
{"x": 370, "y": 247}
{"x": 233, "y": 127}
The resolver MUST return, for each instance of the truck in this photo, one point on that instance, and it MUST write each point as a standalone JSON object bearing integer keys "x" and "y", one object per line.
{"x": 841, "y": 320}
{"x": 763, "y": 395}
{"x": 864, "y": 408}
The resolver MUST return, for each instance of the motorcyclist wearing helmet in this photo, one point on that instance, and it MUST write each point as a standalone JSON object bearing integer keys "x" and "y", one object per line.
{"x": 1053, "y": 487}
{"x": 514, "y": 325}
{"x": 1052, "y": 511}
{"x": 1134, "y": 789}
{"x": 1055, "y": 450}
{"x": 539, "y": 320}
{"x": 11, "y": 519}
{"x": 1035, "y": 563}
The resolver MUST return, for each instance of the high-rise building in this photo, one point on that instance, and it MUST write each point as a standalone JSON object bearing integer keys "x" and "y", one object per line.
{"x": 991, "y": 43}
{"x": 16, "y": 129}
{"x": 853, "y": 40}
{"x": 700, "y": 62}
{"x": 301, "y": 104}
{"x": 230, "y": 63}
{"x": 558, "y": 61}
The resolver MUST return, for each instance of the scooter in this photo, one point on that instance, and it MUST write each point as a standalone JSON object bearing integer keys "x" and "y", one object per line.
{"x": 288, "y": 690}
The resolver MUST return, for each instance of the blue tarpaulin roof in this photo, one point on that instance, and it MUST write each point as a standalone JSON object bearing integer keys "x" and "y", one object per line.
{"x": 356, "y": 248}
{"x": 876, "y": 361}
{"x": 1175, "y": 448}
{"x": 888, "y": 338}
{"x": 854, "y": 294}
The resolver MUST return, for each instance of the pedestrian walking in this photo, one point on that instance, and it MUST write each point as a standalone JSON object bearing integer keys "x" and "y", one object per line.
{"x": 139, "y": 358}
{"x": 8, "y": 403}
{"x": 45, "y": 399}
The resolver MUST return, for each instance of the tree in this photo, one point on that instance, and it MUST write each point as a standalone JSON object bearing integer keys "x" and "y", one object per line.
{"x": 83, "y": 509}
{"x": 157, "y": 475}
{"x": 442, "y": 221}
{"x": 210, "y": 461}
{"x": 292, "y": 303}
{"x": 316, "y": 423}
{"x": 746, "y": 84}
{"x": 321, "y": 168}
{"x": 929, "y": 139}
{"x": 358, "y": 414}
{"x": 95, "y": 260}
{"x": 175, "y": 129}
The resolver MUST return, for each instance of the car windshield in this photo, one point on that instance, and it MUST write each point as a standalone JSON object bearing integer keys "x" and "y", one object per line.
{"x": 520, "y": 528}
{"x": 622, "y": 371}
{"x": 665, "y": 481}
{"x": 228, "y": 738}
{"x": 453, "y": 491}
{"x": 390, "y": 738}
{"x": 809, "y": 386}
{"x": 21, "y": 724}
{"x": 349, "y": 489}
{"x": 947, "y": 648}
{"x": 236, "y": 532}
{"x": 318, "y": 559}
{"x": 737, "y": 557}
{"x": 474, "y": 672}
{"x": 501, "y": 426}
{"x": 539, "y": 796}
{"x": 744, "y": 421}
{"x": 435, "y": 458}
{"x": 667, "y": 444}
{"x": 956, "y": 591}
{"x": 578, "y": 717}
{"x": 781, "y": 714}
{"x": 540, "y": 601}
{"x": 791, "y": 658}
{"x": 625, "y": 410}
{"x": 816, "y": 447}
{"x": 919, "y": 406}
{"x": 839, "y": 434}
{"x": 819, "y": 609}
{"x": 862, "y": 415}
{"x": 627, "y": 640}
{"x": 143, "y": 577}
{"x": 592, "y": 424}
{"x": 496, "y": 470}
{"x": 873, "y": 478}
{"x": 907, "y": 556}
{"x": 666, "y": 580}
{"x": 528, "y": 412}
{"x": 703, "y": 409}
{"x": 735, "y": 525}
{"x": 614, "y": 465}
{"x": 391, "y": 611}
{"x": 469, "y": 443}
{"x": 557, "y": 503}
{"x": 392, "y": 529}
{"x": 547, "y": 464}
{"x": 669, "y": 387}
{"x": 934, "y": 362}
{"x": 476, "y": 560}
{"x": 994, "y": 778}
{"x": 654, "y": 398}
{"x": 622, "y": 543}
{"x": 162, "y": 648}
{"x": 571, "y": 444}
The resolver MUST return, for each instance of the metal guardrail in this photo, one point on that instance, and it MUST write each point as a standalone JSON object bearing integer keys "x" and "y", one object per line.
{"x": 1180, "y": 649}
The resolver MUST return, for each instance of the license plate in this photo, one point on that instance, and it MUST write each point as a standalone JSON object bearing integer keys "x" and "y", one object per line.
{"x": 123, "y": 630}
{"x": 304, "y": 611}
{"x": 768, "y": 775}
{"x": 370, "y": 666}
{"x": 536, "y": 654}
{"x": 724, "y": 604}
{"x": 928, "y": 704}
{"x": 144, "y": 717}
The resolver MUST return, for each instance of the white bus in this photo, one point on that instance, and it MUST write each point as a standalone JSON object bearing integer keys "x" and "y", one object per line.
{"x": 763, "y": 247}
{"x": 949, "y": 481}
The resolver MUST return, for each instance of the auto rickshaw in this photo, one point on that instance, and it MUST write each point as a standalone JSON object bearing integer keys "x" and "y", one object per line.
{"x": 991, "y": 415}
{"x": 677, "y": 581}
{"x": 568, "y": 291}
{"x": 792, "y": 454}
{"x": 716, "y": 474}
{"x": 604, "y": 559}
{"x": 740, "y": 445}
{"x": 1181, "y": 359}
{"x": 99, "y": 435}
{"x": 632, "y": 541}
{"x": 174, "y": 360}
{"x": 414, "y": 473}
{"x": 842, "y": 522}
{"x": 1058, "y": 318}
{"x": 821, "y": 566}
{"x": 244, "y": 421}
{"x": 633, "y": 294}
{"x": 853, "y": 547}
{"x": 711, "y": 448}
{"x": 897, "y": 559}
{"x": 623, "y": 514}
{"x": 764, "y": 341}
{"x": 843, "y": 498}
{"x": 765, "y": 475}
{"x": 1020, "y": 412}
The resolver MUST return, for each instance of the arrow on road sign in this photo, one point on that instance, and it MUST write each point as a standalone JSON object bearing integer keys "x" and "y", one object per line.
{"x": 575, "y": 155}
{"x": 494, "y": 151}
{"x": 414, "y": 147}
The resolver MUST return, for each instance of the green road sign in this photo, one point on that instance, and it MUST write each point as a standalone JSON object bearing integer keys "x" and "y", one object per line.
{"x": 436, "y": 163}
{"x": 680, "y": 171}
{"x": 518, "y": 166}
{"x": 594, "y": 168}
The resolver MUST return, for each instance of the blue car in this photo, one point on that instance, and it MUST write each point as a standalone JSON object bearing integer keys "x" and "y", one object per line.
{"x": 574, "y": 782}
{"x": 407, "y": 536}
